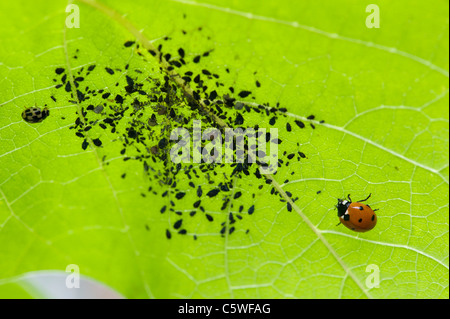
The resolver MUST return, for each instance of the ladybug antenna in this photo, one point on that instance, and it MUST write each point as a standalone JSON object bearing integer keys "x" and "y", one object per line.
{"x": 365, "y": 199}
{"x": 350, "y": 200}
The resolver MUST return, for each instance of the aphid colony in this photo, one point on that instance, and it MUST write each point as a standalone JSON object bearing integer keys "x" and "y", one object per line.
{"x": 143, "y": 111}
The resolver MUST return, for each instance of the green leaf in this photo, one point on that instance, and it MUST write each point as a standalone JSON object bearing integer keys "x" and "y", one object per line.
{"x": 72, "y": 192}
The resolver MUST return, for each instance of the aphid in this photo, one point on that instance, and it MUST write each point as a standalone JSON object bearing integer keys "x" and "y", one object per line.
{"x": 356, "y": 216}
{"x": 244, "y": 93}
{"x": 35, "y": 114}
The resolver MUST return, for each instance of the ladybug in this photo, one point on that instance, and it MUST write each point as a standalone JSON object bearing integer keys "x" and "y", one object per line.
{"x": 356, "y": 216}
{"x": 35, "y": 114}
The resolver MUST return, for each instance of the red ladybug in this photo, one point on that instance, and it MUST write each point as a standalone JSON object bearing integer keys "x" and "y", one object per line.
{"x": 356, "y": 216}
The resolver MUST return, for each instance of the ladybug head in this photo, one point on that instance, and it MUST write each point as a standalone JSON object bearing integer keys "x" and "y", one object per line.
{"x": 342, "y": 206}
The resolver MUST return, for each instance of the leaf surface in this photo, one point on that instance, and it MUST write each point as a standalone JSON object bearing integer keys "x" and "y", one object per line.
{"x": 382, "y": 94}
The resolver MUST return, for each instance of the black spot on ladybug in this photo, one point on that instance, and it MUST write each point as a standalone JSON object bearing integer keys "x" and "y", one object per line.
{"x": 373, "y": 217}
{"x": 360, "y": 220}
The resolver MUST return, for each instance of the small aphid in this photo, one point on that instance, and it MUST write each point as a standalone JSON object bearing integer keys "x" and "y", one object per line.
{"x": 162, "y": 110}
{"x": 154, "y": 150}
{"x": 35, "y": 114}
{"x": 244, "y": 93}
{"x": 299, "y": 123}
{"x": 97, "y": 142}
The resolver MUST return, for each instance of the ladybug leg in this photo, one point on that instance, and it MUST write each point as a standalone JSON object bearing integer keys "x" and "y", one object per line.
{"x": 349, "y": 199}
{"x": 365, "y": 199}
{"x": 339, "y": 224}
{"x": 376, "y": 209}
